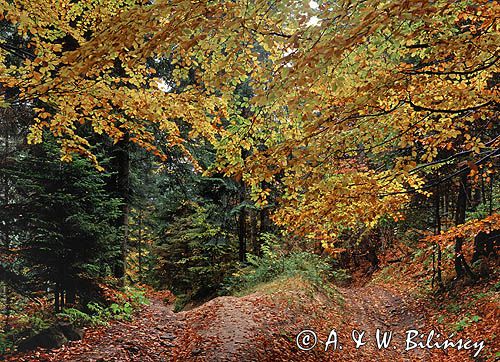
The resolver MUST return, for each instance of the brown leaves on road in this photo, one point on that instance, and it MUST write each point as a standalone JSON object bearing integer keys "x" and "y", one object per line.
{"x": 261, "y": 327}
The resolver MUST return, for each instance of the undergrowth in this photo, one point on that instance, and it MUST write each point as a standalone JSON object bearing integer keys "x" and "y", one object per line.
{"x": 97, "y": 314}
{"x": 277, "y": 265}
{"x": 28, "y": 321}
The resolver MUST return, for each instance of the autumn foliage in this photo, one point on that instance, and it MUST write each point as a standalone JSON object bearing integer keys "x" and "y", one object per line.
{"x": 319, "y": 124}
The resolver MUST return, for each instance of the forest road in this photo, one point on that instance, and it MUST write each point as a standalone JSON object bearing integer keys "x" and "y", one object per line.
{"x": 373, "y": 306}
{"x": 149, "y": 337}
{"x": 228, "y": 329}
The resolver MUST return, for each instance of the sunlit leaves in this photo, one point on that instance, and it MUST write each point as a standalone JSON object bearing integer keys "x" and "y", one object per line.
{"x": 340, "y": 114}
{"x": 374, "y": 79}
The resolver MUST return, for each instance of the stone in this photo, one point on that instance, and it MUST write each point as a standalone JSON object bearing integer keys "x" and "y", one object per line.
{"x": 48, "y": 338}
{"x": 71, "y": 332}
{"x": 195, "y": 352}
{"x": 168, "y": 336}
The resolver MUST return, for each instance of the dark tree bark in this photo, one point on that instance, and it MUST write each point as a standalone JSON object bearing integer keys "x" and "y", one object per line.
{"x": 373, "y": 258}
{"x": 460, "y": 219}
{"x": 70, "y": 289}
{"x": 57, "y": 301}
{"x": 437, "y": 218}
{"x": 263, "y": 227}
{"x": 483, "y": 190}
{"x": 242, "y": 226}
{"x": 461, "y": 266}
{"x": 447, "y": 201}
{"x": 122, "y": 164}
{"x": 253, "y": 232}
{"x": 6, "y": 231}
{"x": 264, "y": 220}
{"x": 485, "y": 244}
{"x": 480, "y": 242}
{"x": 139, "y": 247}
{"x": 62, "y": 302}
{"x": 491, "y": 195}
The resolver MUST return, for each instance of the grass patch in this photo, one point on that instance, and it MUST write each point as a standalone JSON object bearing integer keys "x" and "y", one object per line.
{"x": 277, "y": 272}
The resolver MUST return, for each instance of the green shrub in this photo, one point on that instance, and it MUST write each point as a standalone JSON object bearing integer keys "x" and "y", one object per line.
{"x": 78, "y": 318}
{"x": 100, "y": 315}
{"x": 275, "y": 263}
{"x": 180, "y": 302}
{"x": 121, "y": 311}
{"x": 341, "y": 275}
{"x": 23, "y": 324}
{"x": 35, "y": 322}
{"x": 136, "y": 297}
{"x": 6, "y": 342}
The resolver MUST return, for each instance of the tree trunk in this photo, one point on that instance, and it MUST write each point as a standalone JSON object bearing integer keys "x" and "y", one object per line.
{"x": 461, "y": 266}
{"x": 139, "y": 247}
{"x": 460, "y": 219}
{"x": 70, "y": 289}
{"x": 57, "y": 305}
{"x": 264, "y": 220}
{"x": 122, "y": 162}
{"x": 6, "y": 231}
{"x": 491, "y": 195}
{"x": 253, "y": 232}
{"x": 437, "y": 217}
{"x": 446, "y": 200}
{"x": 62, "y": 303}
{"x": 242, "y": 226}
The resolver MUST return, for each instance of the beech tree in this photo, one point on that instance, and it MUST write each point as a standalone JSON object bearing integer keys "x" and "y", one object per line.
{"x": 415, "y": 81}
{"x": 351, "y": 101}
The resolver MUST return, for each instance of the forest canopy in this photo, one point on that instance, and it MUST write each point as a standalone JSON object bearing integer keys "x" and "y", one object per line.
{"x": 206, "y": 130}
{"x": 359, "y": 105}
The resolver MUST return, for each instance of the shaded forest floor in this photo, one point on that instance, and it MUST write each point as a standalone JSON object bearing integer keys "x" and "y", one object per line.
{"x": 262, "y": 327}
